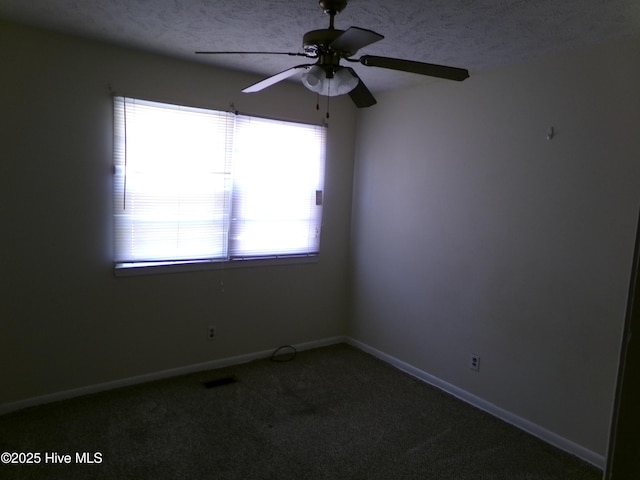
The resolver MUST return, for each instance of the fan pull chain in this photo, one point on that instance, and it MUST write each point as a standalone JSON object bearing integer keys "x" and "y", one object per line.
{"x": 318, "y": 101}
{"x": 328, "y": 97}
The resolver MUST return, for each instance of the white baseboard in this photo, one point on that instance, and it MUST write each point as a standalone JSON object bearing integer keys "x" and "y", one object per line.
{"x": 562, "y": 443}
{"x": 174, "y": 372}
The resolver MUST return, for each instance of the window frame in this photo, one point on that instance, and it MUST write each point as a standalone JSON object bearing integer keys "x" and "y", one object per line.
{"x": 132, "y": 268}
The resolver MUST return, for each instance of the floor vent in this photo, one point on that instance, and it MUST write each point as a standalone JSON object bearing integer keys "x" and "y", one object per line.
{"x": 220, "y": 381}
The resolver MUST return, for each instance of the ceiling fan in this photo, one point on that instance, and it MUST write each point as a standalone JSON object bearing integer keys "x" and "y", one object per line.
{"x": 328, "y": 46}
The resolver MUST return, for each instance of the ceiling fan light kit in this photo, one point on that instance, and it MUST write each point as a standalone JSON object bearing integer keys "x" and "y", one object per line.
{"x": 340, "y": 82}
{"x": 328, "y": 46}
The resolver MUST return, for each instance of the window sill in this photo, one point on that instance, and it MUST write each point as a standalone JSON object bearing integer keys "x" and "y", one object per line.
{"x": 153, "y": 268}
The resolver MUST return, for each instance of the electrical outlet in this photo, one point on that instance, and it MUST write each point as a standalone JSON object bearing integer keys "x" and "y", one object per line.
{"x": 211, "y": 332}
{"x": 474, "y": 362}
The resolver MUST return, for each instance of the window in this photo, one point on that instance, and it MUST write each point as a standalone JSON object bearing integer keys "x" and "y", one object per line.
{"x": 200, "y": 185}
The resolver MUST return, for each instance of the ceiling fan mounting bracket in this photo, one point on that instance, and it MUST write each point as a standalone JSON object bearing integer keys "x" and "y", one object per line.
{"x": 333, "y": 7}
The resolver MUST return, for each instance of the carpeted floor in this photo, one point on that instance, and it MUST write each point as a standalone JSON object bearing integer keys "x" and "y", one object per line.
{"x": 330, "y": 413}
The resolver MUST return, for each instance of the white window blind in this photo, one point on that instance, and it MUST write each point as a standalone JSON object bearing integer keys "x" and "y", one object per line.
{"x": 193, "y": 184}
{"x": 277, "y": 168}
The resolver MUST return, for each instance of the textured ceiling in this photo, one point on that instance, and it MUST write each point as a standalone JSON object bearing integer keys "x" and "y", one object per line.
{"x": 476, "y": 35}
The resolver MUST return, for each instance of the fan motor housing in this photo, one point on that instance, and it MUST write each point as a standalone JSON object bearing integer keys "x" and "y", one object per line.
{"x": 316, "y": 42}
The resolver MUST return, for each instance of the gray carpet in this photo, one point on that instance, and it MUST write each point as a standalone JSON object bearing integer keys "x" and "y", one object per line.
{"x": 330, "y": 413}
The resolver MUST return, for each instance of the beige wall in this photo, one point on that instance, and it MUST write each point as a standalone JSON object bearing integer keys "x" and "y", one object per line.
{"x": 66, "y": 321}
{"x": 474, "y": 233}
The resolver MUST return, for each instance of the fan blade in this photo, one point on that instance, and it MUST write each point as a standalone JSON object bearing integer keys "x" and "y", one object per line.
{"x": 254, "y": 53}
{"x": 441, "y": 71}
{"x": 353, "y": 39}
{"x": 361, "y": 95}
{"x": 272, "y": 80}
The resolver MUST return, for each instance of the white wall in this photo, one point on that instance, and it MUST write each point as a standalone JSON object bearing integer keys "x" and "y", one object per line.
{"x": 66, "y": 321}
{"x": 474, "y": 233}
